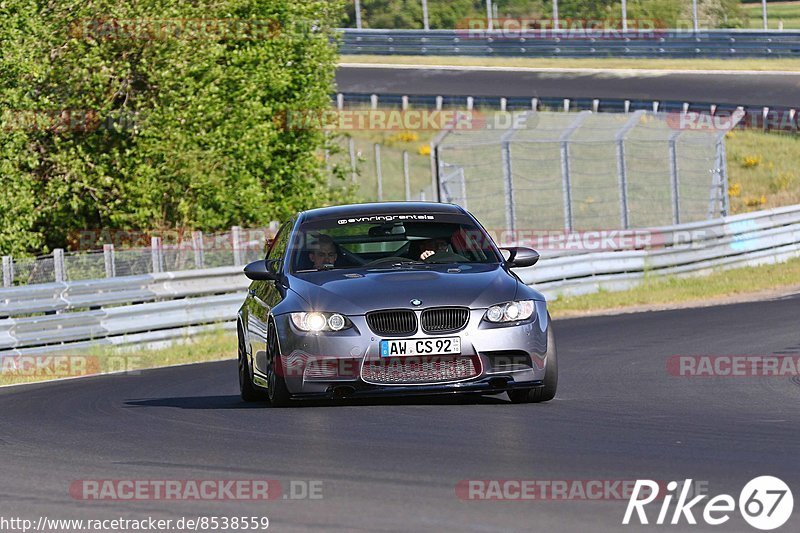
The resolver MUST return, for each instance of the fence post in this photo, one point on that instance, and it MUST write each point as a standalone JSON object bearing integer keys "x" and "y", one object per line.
{"x": 722, "y": 169}
{"x": 406, "y": 176}
{"x": 108, "y": 259}
{"x": 378, "y": 172}
{"x": 58, "y": 264}
{"x": 339, "y": 101}
{"x": 156, "y": 254}
{"x": 622, "y": 167}
{"x": 470, "y": 103}
{"x": 566, "y": 185}
{"x": 439, "y": 101}
{"x": 8, "y": 271}
{"x": 404, "y": 102}
{"x": 199, "y": 249}
{"x": 508, "y": 177}
{"x": 352, "y": 148}
{"x": 673, "y": 177}
{"x": 236, "y": 240}
{"x": 373, "y": 101}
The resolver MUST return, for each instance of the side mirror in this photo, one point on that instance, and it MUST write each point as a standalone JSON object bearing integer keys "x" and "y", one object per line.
{"x": 521, "y": 257}
{"x": 262, "y": 270}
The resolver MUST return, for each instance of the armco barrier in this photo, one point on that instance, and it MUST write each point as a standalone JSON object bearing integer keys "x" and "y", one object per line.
{"x": 499, "y": 43}
{"x": 166, "y": 306}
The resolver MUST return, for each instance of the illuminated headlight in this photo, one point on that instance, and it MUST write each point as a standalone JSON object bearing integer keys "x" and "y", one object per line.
{"x": 316, "y": 322}
{"x": 510, "y": 311}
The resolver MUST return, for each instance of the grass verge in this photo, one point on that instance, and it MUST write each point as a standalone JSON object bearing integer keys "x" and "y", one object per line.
{"x": 787, "y": 13}
{"x": 218, "y": 344}
{"x": 754, "y": 64}
{"x": 676, "y": 291}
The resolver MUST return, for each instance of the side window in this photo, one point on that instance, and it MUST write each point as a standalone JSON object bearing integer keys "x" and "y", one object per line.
{"x": 278, "y": 248}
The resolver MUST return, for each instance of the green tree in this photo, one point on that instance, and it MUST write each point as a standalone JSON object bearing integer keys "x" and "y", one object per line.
{"x": 159, "y": 129}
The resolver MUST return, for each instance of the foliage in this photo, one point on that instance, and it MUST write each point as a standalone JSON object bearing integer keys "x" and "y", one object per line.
{"x": 159, "y": 129}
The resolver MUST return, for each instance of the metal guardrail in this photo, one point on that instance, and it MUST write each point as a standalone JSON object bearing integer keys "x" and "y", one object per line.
{"x": 586, "y": 43}
{"x": 166, "y": 306}
{"x": 748, "y": 239}
{"x": 124, "y": 310}
{"x": 761, "y": 117}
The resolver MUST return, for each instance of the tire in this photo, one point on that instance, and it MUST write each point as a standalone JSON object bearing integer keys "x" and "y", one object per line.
{"x": 277, "y": 391}
{"x": 247, "y": 390}
{"x": 548, "y": 391}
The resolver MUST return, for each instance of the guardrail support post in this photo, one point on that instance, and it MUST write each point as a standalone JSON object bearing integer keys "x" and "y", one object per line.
{"x": 339, "y": 101}
{"x": 470, "y": 103}
{"x": 108, "y": 259}
{"x": 534, "y": 104}
{"x": 404, "y": 102}
{"x": 373, "y": 101}
{"x": 58, "y": 264}
{"x": 503, "y": 104}
{"x": 8, "y": 271}
{"x": 236, "y": 239}
{"x": 351, "y": 147}
{"x": 199, "y": 249}
{"x": 156, "y": 254}
{"x": 439, "y": 101}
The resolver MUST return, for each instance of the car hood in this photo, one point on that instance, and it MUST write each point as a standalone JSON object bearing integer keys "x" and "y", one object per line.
{"x": 357, "y": 292}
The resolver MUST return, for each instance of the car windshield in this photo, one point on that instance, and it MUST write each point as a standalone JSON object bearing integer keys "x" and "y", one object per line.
{"x": 390, "y": 241}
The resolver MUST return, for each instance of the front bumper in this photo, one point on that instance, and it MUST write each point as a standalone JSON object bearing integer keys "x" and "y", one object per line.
{"x": 504, "y": 358}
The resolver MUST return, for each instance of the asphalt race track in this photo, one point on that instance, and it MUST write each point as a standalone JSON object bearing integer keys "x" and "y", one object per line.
{"x": 728, "y": 88}
{"x": 392, "y": 465}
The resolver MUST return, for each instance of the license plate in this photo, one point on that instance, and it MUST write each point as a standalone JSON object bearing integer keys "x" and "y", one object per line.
{"x": 437, "y": 346}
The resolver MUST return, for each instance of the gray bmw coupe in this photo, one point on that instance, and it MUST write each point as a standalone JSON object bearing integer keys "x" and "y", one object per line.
{"x": 392, "y": 299}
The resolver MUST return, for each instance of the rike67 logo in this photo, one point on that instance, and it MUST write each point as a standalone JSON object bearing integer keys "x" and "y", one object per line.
{"x": 765, "y": 503}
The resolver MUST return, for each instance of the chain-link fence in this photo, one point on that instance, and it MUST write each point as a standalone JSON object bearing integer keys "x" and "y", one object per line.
{"x": 580, "y": 171}
{"x": 169, "y": 252}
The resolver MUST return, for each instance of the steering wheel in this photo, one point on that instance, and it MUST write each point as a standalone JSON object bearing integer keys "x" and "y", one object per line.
{"x": 391, "y": 259}
{"x": 351, "y": 256}
{"x": 445, "y": 257}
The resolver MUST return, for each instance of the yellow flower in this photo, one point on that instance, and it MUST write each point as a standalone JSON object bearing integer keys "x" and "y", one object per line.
{"x": 734, "y": 190}
{"x": 424, "y": 149}
{"x": 750, "y": 161}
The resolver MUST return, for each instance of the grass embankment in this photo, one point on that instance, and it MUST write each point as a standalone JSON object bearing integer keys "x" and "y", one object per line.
{"x": 674, "y": 291}
{"x": 211, "y": 346}
{"x": 777, "y": 12}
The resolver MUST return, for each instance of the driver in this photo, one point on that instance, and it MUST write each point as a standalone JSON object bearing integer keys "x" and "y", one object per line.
{"x": 324, "y": 252}
{"x": 429, "y": 247}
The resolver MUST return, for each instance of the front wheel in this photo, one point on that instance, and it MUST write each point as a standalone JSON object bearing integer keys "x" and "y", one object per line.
{"x": 277, "y": 390}
{"x": 247, "y": 390}
{"x": 548, "y": 391}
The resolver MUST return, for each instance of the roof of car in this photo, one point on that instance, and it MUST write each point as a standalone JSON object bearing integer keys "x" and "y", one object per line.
{"x": 382, "y": 208}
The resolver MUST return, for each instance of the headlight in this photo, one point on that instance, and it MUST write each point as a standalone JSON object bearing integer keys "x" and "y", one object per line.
{"x": 316, "y": 322}
{"x": 510, "y": 311}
